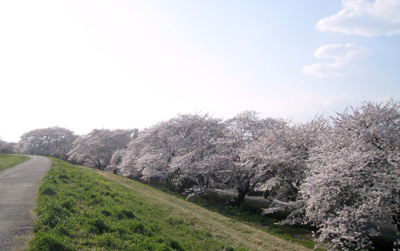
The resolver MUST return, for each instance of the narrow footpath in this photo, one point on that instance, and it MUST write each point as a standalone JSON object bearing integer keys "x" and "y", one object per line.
{"x": 18, "y": 192}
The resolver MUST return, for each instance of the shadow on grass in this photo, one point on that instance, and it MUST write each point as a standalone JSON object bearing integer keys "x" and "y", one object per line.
{"x": 249, "y": 213}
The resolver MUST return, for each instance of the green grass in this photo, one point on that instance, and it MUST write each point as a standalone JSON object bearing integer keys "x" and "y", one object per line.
{"x": 85, "y": 209}
{"x": 7, "y": 160}
{"x": 251, "y": 213}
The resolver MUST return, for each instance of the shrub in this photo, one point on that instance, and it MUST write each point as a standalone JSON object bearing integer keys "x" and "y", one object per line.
{"x": 50, "y": 242}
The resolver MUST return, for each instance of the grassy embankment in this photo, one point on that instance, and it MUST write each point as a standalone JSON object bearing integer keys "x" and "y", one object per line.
{"x": 84, "y": 209}
{"x": 250, "y": 213}
{"x": 7, "y": 160}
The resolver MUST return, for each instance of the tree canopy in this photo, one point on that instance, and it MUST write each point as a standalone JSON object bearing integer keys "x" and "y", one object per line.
{"x": 52, "y": 141}
{"x": 96, "y": 148}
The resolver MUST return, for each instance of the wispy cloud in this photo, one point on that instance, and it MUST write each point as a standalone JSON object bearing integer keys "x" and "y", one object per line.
{"x": 342, "y": 52}
{"x": 343, "y": 56}
{"x": 336, "y": 69}
{"x": 365, "y": 18}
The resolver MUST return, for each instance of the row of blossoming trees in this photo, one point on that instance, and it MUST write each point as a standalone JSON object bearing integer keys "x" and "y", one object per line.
{"x": 337, "y": 174}
{"x": 6, "y": 147}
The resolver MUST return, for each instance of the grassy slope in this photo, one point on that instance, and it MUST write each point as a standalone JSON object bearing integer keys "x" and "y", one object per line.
{"x": 83, "y": 209}
{"x": 7, "y": 160}
{"x": 250, "y": 213}
{"x": 239, "y": 234}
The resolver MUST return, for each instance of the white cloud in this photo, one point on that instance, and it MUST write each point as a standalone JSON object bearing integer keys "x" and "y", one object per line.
{"x": 343, "y": 56}
{"x": 365, "y": 18}
{"x": 342, "y": 52}
{"x": 336, "y": 69}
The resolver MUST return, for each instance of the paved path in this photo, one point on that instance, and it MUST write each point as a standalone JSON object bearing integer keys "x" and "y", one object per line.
{"x": 18, "y": 192}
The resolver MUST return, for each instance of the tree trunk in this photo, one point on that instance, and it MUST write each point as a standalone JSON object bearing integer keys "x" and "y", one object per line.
{"x": 242, "y": 191}
{"x": 396, "y": 219}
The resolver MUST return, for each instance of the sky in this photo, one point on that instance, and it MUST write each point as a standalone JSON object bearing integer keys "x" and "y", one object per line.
{"x": 91, "y": 64}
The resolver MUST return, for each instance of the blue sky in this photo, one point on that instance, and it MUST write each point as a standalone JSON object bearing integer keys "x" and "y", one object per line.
{"x": 127, "y": 64}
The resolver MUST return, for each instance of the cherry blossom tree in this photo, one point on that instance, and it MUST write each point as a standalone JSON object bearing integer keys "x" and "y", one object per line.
{"x": 197, "y": 160}
{"x": 275, "y": 163}
{"x": 52, "y": 141}
{"x": 242, "y": 131}
{"x": 180, "y": 150}
{"x": 96, "y": 148}
{"x": 354, "y": 177}
{"x": 147, "y": 156}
